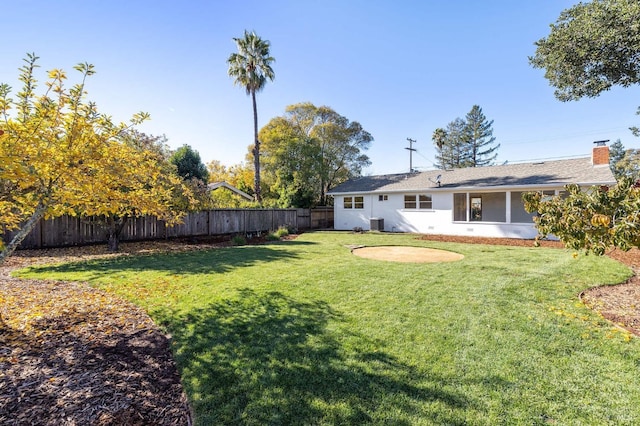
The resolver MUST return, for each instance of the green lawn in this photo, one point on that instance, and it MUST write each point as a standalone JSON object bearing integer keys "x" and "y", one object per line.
{"x": 303, "y": 332}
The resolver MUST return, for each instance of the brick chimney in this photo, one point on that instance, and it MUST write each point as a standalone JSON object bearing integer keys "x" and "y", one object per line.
{"x": 600, "y": 155}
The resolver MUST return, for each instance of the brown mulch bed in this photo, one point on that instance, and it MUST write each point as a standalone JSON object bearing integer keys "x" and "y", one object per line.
{"x": 74, "y": 355}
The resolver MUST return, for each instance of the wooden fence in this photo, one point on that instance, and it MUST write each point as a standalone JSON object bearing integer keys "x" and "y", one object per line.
{"x": 70, "y": 231}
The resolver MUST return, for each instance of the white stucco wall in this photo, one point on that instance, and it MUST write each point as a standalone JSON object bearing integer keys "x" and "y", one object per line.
{"x": 439, "y": 220}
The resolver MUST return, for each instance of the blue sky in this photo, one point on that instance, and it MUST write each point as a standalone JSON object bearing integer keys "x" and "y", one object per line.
{"x": 400, "y": 68}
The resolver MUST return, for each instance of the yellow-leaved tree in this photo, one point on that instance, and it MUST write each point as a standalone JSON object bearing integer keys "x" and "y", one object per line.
{"x": 59, "y": 155}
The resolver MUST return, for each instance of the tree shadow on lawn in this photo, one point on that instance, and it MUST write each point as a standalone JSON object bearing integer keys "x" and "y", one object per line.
{"x": 269, "y": 359}
{"x": 218, "y": 260}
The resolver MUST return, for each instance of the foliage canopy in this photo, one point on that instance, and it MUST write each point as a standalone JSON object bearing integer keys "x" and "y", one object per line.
{"x": 59, "y": 155}
{"x": 189, "y": 165}
{"x": 466, "y": 143}
{"x": 592, "y": 47}
{"x": 310, "y": 150}
{"x": 595, "y": 220}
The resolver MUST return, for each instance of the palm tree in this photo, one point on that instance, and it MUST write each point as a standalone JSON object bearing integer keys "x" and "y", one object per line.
{"x": 250, "y": 68}
{"x": 439, "y": 138}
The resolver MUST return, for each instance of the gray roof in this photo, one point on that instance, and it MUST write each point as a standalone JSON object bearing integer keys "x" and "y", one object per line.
{"x": 541, "y": 174}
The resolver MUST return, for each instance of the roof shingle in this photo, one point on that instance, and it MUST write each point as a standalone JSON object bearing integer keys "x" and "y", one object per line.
{"x": 547, "y": 173}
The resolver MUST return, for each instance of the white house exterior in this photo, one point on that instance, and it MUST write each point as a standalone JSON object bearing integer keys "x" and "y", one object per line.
{"x": 475, "y": 201}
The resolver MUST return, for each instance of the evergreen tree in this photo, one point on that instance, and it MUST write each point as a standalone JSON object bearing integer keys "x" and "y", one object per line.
{"x": 479, "y": 139}
{"x": 616, "y": 153}
{"x": 624, "y": 163}
{"x": 189, "y": 165}
{"x": 452, "y": 145}
{"x": 466, "y": 143}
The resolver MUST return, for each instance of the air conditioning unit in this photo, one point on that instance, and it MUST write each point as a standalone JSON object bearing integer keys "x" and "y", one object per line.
{"x": 376, "y": 224}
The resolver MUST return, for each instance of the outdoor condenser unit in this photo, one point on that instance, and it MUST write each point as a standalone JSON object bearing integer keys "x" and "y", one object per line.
{"x": 376, "y": 224}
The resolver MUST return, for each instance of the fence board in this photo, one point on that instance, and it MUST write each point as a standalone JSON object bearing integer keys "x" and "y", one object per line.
{"x": 321, "y": 218}
{"x": 69, "y": 230}
{"x": 303, "y": 219}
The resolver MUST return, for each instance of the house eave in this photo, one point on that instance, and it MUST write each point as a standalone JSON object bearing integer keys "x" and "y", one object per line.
{"x": 471, "y": 188}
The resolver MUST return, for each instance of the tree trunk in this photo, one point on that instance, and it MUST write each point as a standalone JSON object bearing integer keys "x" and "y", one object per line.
{"x": 115, "y": 225}
{"x": 323, "y": 196}
{"x": 256, "y": 150}
{"x": 24, "y": 231}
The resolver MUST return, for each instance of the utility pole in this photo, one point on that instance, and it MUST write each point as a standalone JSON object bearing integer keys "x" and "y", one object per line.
{"x": 411, "y": 149}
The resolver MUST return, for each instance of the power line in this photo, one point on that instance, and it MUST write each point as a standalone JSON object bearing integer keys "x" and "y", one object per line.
{"x": 525, "y": 141}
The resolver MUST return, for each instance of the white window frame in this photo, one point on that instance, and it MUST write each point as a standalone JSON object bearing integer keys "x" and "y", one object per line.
{"x": 419, "y": 202}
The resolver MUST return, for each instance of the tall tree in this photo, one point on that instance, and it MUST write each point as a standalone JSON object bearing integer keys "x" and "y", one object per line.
{"x": 466, "y": 143}
{"x": 58, "y": 155}
{"x": 310, "y": 150}
{"x": 457, "y": 139}
{"x": 251, "y": 68}
{"x": 452, "y": 144}
{"x": 592, "y": 47}
{"x": 480, "y": 139}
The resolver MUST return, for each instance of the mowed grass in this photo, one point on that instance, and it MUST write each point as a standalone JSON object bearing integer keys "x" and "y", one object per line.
{"x": 304, "y": 332}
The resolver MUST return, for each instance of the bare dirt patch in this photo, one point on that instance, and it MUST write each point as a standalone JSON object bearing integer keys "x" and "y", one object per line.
{"x": 407, "y": 254}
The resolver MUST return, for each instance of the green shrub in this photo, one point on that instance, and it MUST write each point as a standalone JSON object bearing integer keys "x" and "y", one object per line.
{"x": 238, "y": 240}
{"x": 272, "y": 237}
{"x": 278, "y": 234}
{"x": 282, "y": 231}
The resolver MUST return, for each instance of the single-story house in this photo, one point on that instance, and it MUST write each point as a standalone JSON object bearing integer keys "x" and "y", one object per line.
{"x": 474, "y": 201}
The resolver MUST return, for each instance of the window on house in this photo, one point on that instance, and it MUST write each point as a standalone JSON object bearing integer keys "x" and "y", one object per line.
{"x": 409, "y": 201}
{"x": 488, "y": 207}
{"x": 383, "y": 197}
{"x": 482, "y": 207}
{"x": 354, "y": 202}
{"x": 425, "y": 202}
{"x": 518, "y": 213}
{"x": 358, "y": 202}
{"x": 460, "y": 207}
{"x": 418, "y": 202}
{"x": 547, "y": 195}
{"x": 476, "y": 209}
